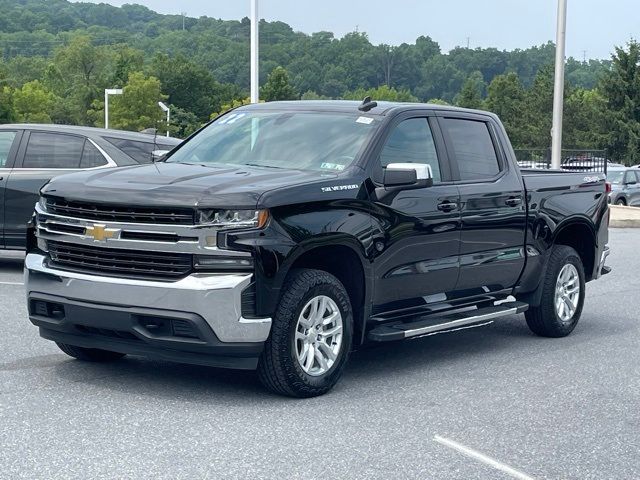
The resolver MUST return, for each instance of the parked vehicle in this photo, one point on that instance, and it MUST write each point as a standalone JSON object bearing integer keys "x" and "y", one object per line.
{"x": 284, "y": 234}
{"x": 30, "y": 155}
{"x": 625, "y": 186}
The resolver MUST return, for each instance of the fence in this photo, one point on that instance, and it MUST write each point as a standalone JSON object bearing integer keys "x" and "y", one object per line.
{"x": 571, "y": 160}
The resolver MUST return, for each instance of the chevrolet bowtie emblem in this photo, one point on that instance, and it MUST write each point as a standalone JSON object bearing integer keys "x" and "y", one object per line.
{"x": 100, "y": 233}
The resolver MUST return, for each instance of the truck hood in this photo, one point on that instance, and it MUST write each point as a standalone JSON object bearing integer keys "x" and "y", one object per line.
{"x": 174, "y": 184}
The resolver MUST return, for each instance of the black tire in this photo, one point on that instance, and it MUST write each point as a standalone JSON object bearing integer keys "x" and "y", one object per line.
{"x": 89, "y": 354}
{"x": 543, "y": 320}
{"x": 621, "y": 202}
{"x": 279, "y": 369}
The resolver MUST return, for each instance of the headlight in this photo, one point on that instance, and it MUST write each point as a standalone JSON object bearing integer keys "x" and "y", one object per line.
{"x": 233, "y": 218}
{"x": 42, "y": 203}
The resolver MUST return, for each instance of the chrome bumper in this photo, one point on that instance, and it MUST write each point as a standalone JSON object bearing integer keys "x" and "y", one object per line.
{"x": 216, "y": 298}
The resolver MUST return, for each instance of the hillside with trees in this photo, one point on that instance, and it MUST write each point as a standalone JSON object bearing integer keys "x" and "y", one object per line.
{"x": 57, "y": 57}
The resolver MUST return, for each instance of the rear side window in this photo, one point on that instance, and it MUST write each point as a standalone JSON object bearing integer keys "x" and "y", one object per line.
{"x": 52, "y": 150}
{"x": 6, "y": 140}
{"x": 91, "y": 156}
{"x": 412, "y": 142}
{"x": 141, "y": 152}
{"x": 473, "y": 148}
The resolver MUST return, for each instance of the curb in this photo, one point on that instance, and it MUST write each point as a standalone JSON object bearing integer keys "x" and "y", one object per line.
{"x": 624, "y": 217}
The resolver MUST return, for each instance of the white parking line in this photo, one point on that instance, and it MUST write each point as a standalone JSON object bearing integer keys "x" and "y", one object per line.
{"x": 11, "y": 283}
{"x": 482, "y": 458}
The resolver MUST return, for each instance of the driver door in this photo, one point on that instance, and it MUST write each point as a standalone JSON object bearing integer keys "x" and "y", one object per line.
{"x": 420, "y": 261}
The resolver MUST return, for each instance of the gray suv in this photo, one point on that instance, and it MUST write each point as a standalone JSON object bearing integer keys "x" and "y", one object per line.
{"x": 625, "y": 186}
{"x": 30, "y": 155}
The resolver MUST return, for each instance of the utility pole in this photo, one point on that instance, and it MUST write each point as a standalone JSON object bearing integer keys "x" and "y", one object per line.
{"x": 183, "y": 15}
{"x": 468, "y": 42}
{"x": 255, "y": 54}
{"x": 558, "y": 90}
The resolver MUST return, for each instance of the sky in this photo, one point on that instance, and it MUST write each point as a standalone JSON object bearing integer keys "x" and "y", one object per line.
{"x": 594, "y": 27}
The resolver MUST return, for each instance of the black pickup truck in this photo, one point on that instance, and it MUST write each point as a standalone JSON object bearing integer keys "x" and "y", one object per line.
{"x": 283, "y": 235}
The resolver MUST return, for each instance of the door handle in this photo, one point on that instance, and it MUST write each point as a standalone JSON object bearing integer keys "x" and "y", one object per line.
{"x": 513, "y": 202}
{"x": 447, "y": 206}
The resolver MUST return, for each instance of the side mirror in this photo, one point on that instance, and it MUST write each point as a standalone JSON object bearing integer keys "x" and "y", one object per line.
{"x": 407, "y": 176}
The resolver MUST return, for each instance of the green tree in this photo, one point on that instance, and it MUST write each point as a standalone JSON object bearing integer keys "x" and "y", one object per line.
{"x": 137, "y": 108}
{"x": 278, "y": 87}
{"x": 621, "y": 91}
{"x": 472, "y": 92}
{"x": 505, "y": 98}
{"x": 33, "y": 103}
{"x": 7, "y": 114}
{"x": 382, "y": 93}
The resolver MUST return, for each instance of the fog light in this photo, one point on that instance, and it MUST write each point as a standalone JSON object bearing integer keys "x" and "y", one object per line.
{"x": 225, "y": 264}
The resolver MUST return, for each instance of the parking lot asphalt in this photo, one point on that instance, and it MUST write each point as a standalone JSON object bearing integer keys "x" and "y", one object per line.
{"x": 545, "y": 408}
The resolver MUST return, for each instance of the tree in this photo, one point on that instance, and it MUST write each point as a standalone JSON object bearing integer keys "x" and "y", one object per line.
{"x": 472, "y": 92}
{"x": 505, "y": 98}
{"x": 383, "y": 93}
{"x": 621, "y": 91}
{"x": 278, "y": 87}
{"x": 137, "y": 108}
{"x": 33, "y": 103}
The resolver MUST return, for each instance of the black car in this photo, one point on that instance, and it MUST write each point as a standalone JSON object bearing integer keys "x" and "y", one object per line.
{"x": 285, "y": 234}
{"x": 30, "y": 155}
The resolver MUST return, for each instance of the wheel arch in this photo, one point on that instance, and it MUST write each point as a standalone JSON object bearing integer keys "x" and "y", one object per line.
{"x": 579, "y": 234}
{"x": 344, "y": 261}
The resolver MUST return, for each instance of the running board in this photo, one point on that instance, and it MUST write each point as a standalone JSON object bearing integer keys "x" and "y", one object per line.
{"x": 443, "y": 323}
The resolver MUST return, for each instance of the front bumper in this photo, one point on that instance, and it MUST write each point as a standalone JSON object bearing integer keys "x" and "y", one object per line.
{"x": 119, "y": 313}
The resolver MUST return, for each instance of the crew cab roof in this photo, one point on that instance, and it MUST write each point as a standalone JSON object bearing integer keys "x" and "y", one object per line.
{"x": 383, "y": 108}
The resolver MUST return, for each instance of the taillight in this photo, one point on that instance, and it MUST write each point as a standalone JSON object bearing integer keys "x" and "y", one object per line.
{"x": 607, "y": 187}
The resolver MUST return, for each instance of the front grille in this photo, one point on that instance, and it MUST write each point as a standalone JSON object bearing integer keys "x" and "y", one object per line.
{"x": 110, "y": 261}
{"x": 116, "y": 213}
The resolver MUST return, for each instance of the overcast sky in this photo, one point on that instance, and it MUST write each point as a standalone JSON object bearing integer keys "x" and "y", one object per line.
{"x": 594, "y": 26}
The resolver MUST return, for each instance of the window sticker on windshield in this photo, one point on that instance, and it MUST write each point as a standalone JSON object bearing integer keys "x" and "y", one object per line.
{"x": 365, "y": 120}
{"x": 332, "y": 166}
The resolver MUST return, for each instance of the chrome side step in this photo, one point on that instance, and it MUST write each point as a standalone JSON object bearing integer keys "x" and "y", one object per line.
{"x": 443, "y": 323}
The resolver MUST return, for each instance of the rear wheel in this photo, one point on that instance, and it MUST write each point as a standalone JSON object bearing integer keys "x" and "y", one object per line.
{"x": 563, "y": 289}
{"x": 621, "y": 202}
{"x": 89, "y": 354}
{"x": 310, "y": 336}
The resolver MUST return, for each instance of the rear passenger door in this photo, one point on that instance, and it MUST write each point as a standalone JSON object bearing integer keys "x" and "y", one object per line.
{"x": 41, "y": 156}
{"x": 492, "y": 205}
{"x": 9, "y": 141}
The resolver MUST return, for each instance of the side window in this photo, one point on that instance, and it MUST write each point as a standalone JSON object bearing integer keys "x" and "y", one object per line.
{"x": 473, "y": 148}
{"x": 91, "y": 156}
{"x": 6, "y": 140}
{"x": 412, "y": 142}
{"x": 141, "y": 152}
{"x": 637, "y": 178}
{"x": 52, "y": 150}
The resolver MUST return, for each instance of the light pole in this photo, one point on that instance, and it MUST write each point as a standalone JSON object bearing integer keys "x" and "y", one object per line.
{"x": 166, "y": 109}
{"x": 107, "y": 92}
{"x": 558, "y": 89}
{"x": 255, "y": 75}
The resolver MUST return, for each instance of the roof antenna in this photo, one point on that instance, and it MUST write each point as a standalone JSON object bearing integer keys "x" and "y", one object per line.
{"x": 367, "y": 104}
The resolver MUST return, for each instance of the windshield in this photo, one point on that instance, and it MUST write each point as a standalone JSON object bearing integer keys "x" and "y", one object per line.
{"x": 615, "y": 176}
{"x": 327, "y": 142}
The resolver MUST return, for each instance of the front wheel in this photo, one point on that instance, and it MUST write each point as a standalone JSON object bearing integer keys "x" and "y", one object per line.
{"x": 563, "y": 289}
{"x": 310, "y": 338}
{"x": 621, "y": 202}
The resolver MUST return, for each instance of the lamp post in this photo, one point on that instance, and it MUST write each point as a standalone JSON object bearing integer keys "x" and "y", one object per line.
{"x": 558, "y": 89}
{"x": 166, "y": 109}
{"x": 107, "y": 92}
{"x": 255, "y": 76}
